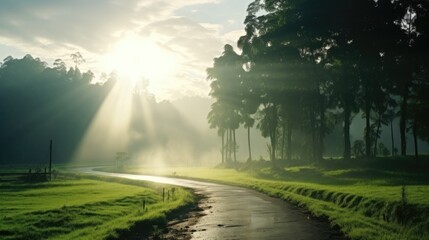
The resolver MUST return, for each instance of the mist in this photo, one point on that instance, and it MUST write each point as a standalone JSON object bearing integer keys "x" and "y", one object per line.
{"x": 90, "y": 123}
{"x": 173, "y": 133}
{"x": 155, "y": 133}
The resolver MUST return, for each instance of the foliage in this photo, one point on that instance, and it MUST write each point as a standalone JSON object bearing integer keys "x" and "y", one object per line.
{"x": 38, "y": 103}
{"x": 305, "y": 59}
{"x": 226, "y": 78}
{"x": 83, "y": 117}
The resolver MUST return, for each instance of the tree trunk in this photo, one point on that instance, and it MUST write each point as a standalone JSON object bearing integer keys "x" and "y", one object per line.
{"x": 376, "y": 134}
{"x": 273, "y": 134}
{"x": 50, "y": 160}
{"x": 313, "y": 133}
{"x": 283, "y": 139}
{"x": 230, "y": 146}
{"x": 322, "y": 128}
{"x": 367, "y": 129}
{"x": 289, "y": 141}
{"x": 346, "y": 130}
{"x": 273, "y": 149}
{"x": 403, "y": 122}
{"x": 227, "y": 146}
{"x": 234, "y": 147}
{"x": 416, "y": 149}
{"x": 273, "y": 146}
{"x": 393, "y": 139}
{"x": 248, "y": 143}
{"x": 223, "y": 146}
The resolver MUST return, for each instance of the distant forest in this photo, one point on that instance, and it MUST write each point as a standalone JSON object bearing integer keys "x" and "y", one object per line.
{"x": 308, "y": 66}
{"x": 39, "y": 103}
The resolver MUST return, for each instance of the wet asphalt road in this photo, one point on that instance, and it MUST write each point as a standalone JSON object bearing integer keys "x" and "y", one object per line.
{"x": 239, "y": 213}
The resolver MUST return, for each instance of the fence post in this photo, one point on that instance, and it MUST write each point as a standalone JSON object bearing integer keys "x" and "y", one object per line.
{"x": 50, "y": 160}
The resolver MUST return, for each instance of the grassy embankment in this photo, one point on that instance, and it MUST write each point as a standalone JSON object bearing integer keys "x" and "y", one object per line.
{"x": 78, "y": 207}
{"x": 363, "y": 200}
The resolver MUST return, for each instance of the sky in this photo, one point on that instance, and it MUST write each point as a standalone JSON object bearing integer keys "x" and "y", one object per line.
{"x": 169, "y": 44}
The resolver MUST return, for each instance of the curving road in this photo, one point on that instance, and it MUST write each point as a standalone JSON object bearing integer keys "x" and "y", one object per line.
{"x": 239, "y": 213}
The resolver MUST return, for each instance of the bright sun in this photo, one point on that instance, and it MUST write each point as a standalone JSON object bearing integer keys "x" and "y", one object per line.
{"x": 135, "y": 58}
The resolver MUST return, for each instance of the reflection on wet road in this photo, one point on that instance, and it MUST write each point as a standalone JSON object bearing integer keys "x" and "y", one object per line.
{"x": 239, "y": 213}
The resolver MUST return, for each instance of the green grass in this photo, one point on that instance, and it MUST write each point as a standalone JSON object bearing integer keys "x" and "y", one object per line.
{"x": 366, "y": 203}
{"x": 83, "y": 208}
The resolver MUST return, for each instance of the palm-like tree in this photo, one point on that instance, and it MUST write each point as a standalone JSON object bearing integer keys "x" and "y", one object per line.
{"x": 226, "y": 76}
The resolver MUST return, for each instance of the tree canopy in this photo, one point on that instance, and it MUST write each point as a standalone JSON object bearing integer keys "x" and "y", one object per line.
{"x": 39, "y": 103}
{"x": 307, "y": 63}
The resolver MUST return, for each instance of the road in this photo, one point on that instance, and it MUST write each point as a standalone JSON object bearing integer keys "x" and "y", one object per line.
{"x": 240, "y": 213}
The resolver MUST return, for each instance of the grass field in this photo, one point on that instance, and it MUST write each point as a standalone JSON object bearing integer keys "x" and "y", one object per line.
{"x": 76, "y": 207}
{"x": 366, "y": 203}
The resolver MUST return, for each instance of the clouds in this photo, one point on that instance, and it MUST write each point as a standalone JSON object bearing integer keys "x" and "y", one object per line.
{"x": 53, "y": 29}
{"x": 197, "y": 44}
{"x": 191, "y": 40}
{"x": 89, "y": 25}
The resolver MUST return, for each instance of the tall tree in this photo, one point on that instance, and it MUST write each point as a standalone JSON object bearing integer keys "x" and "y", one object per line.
{"x": 296, "y": 48}
{"x": 77, "y": 58}
{"x": 226, "y": 77}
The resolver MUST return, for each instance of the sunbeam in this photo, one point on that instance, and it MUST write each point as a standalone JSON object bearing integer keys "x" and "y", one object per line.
{"x": 109, "y": 131}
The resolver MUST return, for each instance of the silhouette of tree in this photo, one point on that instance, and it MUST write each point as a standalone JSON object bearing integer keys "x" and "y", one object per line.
{"x": 38, "y": 103}
{"x": 77, "y": 59}
{"x": 307, "y": 60}
{"x": 288, "y": 53}
{"x": 59, "y": 65}
{"x": 226, "y": 76}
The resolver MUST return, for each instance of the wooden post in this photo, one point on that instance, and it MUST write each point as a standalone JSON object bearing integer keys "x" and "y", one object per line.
{"x": 50, "y": 160}
{"x": 163, "y": 194}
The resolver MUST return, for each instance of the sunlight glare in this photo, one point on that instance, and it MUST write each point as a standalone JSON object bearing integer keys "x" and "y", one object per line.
{"x": 135, "y": 58}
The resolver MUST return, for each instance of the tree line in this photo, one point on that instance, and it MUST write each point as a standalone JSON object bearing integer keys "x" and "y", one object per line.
{"x": 307, "y": 66}
{"x": 39, "y": 103}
